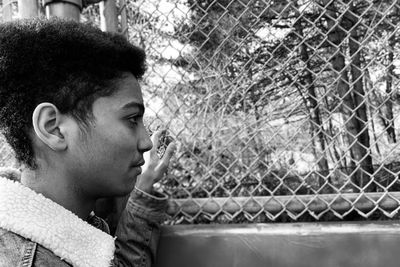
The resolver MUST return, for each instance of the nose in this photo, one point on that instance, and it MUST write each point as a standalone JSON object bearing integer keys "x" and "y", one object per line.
{"x": 144, "y": 142}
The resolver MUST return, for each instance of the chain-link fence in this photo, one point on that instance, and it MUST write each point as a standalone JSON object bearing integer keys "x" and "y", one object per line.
{"x": 282, "y": 110}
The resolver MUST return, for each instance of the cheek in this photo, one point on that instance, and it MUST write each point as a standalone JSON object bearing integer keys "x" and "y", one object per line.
{"x": 116, "y": 148}
{"x": 104, "y": 155}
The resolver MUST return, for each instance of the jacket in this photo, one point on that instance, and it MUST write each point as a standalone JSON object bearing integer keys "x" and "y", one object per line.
{"x": 34, "y": 231}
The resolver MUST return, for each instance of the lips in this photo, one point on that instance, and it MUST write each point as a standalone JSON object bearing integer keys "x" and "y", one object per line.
{"x": 139, "y": 170}
{"x": 138, "y": 164}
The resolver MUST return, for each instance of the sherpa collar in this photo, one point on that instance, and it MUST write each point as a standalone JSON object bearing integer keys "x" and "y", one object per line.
{"x": 43, "y": 221}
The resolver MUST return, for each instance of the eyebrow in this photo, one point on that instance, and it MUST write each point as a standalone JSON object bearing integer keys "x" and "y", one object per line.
{"x": 134, "y": 104}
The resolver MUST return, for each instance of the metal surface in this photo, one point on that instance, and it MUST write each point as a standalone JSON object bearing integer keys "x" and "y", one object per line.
{"x": 64, "y": 9}
{"x": 280, "y": 245}
{"x": 124, "y": 19}
{"x": 337, "y": 204}
{"x": 77, "y": 3}
{"x": 28, "y": 9}
{"x": 108, "y": 16}
{"x": 7, "y": 9}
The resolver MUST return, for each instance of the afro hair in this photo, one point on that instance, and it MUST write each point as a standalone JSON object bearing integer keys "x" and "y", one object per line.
{"x": 59, "y": 61}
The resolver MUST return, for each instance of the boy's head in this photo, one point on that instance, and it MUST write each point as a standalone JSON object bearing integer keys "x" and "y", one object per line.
{"x": 65, "y": 90}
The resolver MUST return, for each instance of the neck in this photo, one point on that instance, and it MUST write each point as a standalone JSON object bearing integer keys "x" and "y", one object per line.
{"x": 60, "y": 189}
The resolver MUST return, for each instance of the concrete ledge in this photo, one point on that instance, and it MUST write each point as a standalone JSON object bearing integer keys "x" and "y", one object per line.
{"x": 278, "y": 245}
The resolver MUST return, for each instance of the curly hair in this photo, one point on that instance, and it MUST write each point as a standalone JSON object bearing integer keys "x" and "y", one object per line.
{"x": 62, "y": 62}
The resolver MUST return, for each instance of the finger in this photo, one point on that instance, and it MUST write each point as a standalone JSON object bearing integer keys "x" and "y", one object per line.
{"x": 169, "y": 152}
{"x": 155, "y": 139}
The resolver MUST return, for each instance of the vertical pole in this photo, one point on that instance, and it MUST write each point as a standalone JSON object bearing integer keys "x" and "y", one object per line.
{"x": 124, "y": 20}
{"x": 70, "y": 9}
{"x": 28, "y": 9}
{"x": 7, "y": 10}
{"x": 108, "y": 16}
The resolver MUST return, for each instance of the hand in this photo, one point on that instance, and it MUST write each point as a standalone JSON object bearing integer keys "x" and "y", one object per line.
{"x": 155, "y": 167}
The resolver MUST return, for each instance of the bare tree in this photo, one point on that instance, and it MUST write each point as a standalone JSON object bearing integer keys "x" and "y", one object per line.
{"x": 351, "y": 92}
{"x": 311, "y": 103}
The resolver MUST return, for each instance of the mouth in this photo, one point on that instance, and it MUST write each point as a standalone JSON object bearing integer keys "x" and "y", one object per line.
{"x": 138, "y": 164}
{"x": 137, "y": 168}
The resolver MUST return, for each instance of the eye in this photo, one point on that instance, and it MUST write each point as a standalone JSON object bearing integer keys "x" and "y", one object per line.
{"x": 134, "y": 120}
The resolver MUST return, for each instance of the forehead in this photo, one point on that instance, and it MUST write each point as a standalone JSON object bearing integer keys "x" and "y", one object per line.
{"x": 127, "y": 96}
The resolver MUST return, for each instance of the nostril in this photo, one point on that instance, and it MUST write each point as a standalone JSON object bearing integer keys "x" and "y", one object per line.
{"x": 145, "y": 144}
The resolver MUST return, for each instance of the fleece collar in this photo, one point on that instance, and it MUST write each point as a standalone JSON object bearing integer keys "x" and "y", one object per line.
{"x": 43, "y": 221}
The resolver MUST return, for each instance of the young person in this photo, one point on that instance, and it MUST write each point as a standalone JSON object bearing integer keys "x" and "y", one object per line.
{"x": 72, "y": 109}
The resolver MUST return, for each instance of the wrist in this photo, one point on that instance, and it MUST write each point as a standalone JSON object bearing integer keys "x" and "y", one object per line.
{"x": 152, "y": 194}
{"x": 146, "y": 206}
{"x": 145, "y": 188}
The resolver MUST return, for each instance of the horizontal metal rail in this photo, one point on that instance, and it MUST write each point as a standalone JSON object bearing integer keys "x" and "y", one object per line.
{"x": 295, "y": 204}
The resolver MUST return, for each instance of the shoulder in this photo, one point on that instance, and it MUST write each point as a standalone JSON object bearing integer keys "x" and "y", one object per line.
{"x": 45, "y": 257}
{"x": 15, "y": 250}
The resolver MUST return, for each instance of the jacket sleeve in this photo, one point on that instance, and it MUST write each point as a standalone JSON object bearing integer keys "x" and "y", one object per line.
{"x": 138, "y": 230}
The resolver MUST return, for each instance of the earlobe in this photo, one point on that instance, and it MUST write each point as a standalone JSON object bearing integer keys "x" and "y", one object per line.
{"x": 46, "y": 119}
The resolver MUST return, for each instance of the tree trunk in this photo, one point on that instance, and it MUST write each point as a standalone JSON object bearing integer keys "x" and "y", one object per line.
{"x": 316, "y": 127}
{"x": 354, "y": 115}
{"x": 387, "y": 116}
{"x": 374, "y": 100}
{"x": 379, "y": 107}
{"x": 361, "y": 152}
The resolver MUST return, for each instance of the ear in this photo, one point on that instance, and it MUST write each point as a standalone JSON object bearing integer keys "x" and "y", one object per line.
{"x": 46, "y": 121}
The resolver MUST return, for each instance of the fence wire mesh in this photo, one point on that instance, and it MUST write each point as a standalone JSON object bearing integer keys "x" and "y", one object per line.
{"x": 282, "y": 110}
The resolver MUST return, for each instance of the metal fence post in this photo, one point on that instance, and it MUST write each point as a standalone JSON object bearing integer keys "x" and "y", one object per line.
{"x": 124, "y": 20}
{"x": 64, "y": 9}
{"x": 28, "y": 8}
{"x": 7, "y": 10}
{"x": 108, "y": 16}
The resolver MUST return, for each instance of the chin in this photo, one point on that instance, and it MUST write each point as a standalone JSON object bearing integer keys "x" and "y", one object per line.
{"x": 120, "y": 191}
{"x": 121, "y": 186}
{"x": 129, "y": 186}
